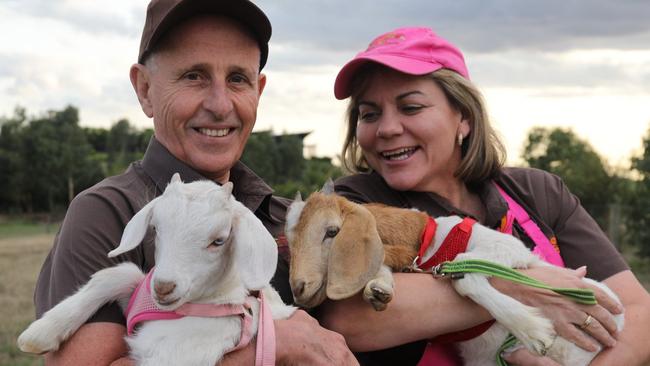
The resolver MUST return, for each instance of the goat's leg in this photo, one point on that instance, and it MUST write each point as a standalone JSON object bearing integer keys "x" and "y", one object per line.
{"x": 59, "y": 323}
{"x": 379, "y": 291}
{"x": 526, "y": 323}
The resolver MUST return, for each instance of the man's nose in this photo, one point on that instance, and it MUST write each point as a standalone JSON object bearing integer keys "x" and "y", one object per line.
{"x": 218, "y": 100}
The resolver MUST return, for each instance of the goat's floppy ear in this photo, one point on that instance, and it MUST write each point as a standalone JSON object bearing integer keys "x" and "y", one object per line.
{"x": 328, "y": 187}
{"x": 356, "y": 255}
{"x": 135, "y": 229}
{"x": 256, "y": 253}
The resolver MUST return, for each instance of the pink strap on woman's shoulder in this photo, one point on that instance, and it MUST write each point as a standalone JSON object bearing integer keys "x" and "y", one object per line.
{"x": 543, "y": 247}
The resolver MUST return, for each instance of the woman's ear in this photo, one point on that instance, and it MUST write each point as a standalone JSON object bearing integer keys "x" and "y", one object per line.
{"x": 141, "y": 81}
{"x": 356, "y": 254}
{"x": 465, "y": 128}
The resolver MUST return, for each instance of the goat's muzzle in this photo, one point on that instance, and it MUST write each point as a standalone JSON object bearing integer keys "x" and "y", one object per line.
{"x": 163, "y": 289}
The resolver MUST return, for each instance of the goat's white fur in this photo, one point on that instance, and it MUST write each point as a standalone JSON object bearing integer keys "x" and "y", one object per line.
{"x": 187, "y": 217}
{"x": 532, "y": 329}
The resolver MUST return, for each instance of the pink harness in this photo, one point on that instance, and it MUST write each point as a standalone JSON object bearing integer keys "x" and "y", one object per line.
{"x": 142, "y": 308}
{"x": 436, "y": 354}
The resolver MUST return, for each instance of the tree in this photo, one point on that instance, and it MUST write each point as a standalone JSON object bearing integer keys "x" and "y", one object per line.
{"x": 638, "y": 218}
{"x": 11, "y": 160}
{"x": 561, "y": 152}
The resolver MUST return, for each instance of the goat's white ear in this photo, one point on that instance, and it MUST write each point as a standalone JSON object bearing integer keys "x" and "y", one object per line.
{"x": 356, "y": 254}
{"x": 135, "y": 229}
{"x": 328, "y": 187}
{"x": 227, "y": 188}
{"x": 176, "y": 178}
{"x": 298, "y": 197}
{"x": 256, "y": 252}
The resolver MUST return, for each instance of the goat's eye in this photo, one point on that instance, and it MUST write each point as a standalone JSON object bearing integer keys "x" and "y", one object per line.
{"x": 331, "y": 231}
{"x": 218, "y": 242}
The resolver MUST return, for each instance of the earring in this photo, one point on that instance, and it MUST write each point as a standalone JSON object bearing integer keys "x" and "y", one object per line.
{"x": 460, "y": 139}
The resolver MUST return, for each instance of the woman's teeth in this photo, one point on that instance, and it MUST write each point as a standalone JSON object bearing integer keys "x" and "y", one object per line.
{"x": 214, "y": 133}
{"x": 399, "y": 154}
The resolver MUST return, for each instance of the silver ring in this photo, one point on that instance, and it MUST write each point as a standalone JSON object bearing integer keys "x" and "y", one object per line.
{"x": 587, "y": 321}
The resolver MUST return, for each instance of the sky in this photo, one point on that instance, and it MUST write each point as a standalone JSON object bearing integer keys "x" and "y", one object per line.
{"x": 583, "y": 64}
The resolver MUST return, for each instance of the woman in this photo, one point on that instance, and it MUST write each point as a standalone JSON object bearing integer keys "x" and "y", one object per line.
{"x": 419, "y": 136}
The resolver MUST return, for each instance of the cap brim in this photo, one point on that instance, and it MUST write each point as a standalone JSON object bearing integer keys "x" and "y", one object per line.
{"x": 399, "y": 63}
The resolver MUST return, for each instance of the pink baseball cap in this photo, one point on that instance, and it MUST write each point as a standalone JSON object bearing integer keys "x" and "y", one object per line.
{"x": 411, "y": 50}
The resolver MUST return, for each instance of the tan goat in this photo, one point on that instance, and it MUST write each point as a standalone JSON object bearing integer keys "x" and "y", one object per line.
{"x": 339, "y": 248}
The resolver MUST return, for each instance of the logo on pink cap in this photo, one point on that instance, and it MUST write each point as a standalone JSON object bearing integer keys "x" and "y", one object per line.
{"x": 411, "y": 50}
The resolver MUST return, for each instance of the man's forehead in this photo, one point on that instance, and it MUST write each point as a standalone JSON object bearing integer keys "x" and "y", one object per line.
{"x": 210, "y": 31}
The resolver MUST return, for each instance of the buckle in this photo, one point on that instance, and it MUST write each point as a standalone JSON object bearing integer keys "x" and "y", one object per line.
{"x": 437, "y": 271}
{"x": 413, "y": 268}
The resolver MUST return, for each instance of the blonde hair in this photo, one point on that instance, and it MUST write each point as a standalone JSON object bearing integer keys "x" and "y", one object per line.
{"x": 483, "y": 153}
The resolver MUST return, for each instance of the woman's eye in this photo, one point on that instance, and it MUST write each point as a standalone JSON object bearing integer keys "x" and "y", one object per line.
{"x": 331, "y": 231}
{"x": 411, "y": 109}
{"x": 368, "y": 116}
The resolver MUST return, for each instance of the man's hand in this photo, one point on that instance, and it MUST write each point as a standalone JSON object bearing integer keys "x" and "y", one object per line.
{"x": 302, "y": 341}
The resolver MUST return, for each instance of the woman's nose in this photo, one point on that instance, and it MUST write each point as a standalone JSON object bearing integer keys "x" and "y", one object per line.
{"x": 389, "y": 125}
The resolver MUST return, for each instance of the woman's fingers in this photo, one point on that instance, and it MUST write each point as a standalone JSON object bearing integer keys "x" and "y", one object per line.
{"x": 602, "y": 320}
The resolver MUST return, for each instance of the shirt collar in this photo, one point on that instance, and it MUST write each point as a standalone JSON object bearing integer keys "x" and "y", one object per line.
{"x": 249, "y": 189}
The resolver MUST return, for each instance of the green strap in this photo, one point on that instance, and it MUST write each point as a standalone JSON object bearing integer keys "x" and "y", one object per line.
{"x": 458, "y": 268}
{"x": 453, "y": 269}
{"x": 509, "y": 342}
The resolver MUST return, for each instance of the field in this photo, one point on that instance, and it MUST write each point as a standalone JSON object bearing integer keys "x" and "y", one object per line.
{"x": 23, "y": 248}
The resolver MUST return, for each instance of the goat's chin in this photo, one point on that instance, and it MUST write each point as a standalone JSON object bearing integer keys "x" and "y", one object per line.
{"x": 311, "y": 301}
{"x": 170, "y": 305}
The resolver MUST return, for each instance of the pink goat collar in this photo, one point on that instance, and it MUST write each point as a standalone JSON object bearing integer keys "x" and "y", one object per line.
{"x": 142, "y": 308}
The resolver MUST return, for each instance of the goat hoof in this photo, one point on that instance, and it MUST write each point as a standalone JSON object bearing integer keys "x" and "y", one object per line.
{"x": 381, "y": 296}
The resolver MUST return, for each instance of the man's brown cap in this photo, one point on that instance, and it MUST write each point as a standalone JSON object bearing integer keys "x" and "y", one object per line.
{"x": 165, "y": 14}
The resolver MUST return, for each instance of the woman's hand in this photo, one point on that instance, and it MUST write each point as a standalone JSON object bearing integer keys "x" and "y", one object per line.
{"x": 570, "y": 319}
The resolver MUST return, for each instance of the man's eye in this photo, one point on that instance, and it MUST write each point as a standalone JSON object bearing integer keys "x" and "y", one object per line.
{"x": 238, "y": 78}
{"x": 192, "y": 76}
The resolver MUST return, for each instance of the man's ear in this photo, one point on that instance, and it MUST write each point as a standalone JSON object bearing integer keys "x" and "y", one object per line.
{"x": 140, "y": 79}
{"x": 261, "y": 83}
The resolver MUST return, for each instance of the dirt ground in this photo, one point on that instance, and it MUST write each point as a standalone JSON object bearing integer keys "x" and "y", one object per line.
{"x": 20, "y": 260}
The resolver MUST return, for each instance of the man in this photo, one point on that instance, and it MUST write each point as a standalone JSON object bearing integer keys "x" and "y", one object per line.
{"x": 198, "y": 76}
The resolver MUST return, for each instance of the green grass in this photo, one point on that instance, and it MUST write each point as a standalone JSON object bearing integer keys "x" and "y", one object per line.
{"x": 23, "y": 227}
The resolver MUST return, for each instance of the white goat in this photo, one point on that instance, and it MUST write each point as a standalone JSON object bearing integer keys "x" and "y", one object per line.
{"x": 210, "y": 249}
{"x": 339, "y": 248}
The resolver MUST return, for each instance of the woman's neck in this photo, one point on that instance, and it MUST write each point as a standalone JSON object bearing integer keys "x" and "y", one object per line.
{"x": 456, "y": 192}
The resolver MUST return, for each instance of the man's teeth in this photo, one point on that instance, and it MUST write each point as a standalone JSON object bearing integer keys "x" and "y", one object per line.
{"x": 214, "y": 133}
{"x": 399, "y": 154}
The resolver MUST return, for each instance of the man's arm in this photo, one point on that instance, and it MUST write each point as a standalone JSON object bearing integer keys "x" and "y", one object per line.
{"x": 93, "y": 344}
{"x": 300, "y": 340}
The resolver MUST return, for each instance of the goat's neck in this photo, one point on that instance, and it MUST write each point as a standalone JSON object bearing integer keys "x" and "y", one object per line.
{"x": 400, "y": 231}
{"x": 227, "y": 290}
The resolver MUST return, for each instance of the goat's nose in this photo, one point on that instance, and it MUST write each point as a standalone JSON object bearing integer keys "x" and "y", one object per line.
{"x": 163, "y": 288}
{"x": 298, "y": 288}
